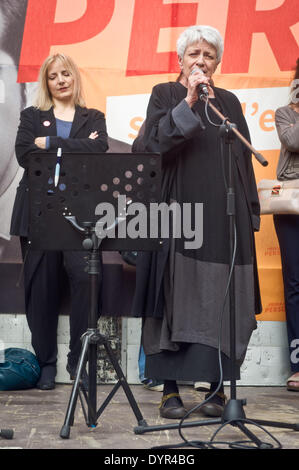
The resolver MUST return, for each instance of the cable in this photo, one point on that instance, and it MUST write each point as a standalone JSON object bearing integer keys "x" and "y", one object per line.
{"x": 207, "y": 114}
{"x": 211, "y": 444}
{"x": 220, "y": 381}
{"x": 241, "y": 444}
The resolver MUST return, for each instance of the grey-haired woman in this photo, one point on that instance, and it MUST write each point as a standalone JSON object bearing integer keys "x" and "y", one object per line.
{"x": 180, "y": 291}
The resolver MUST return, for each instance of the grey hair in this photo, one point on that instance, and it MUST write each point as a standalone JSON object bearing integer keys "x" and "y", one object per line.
{"x": 201, "y": 32}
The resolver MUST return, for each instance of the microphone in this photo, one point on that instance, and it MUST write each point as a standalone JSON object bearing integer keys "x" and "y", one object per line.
{"x": 57, "y": 167}
{"x": 202, "y": 88}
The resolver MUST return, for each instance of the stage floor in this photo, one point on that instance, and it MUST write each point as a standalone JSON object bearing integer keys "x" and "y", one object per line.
{"x": 36, "y": 418}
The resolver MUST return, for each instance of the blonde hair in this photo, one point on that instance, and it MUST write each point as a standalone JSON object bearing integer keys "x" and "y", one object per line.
{"x": 43, "y": 99}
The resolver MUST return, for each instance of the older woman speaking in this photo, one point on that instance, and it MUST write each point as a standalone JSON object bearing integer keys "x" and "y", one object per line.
{"x": 180, "y": 291}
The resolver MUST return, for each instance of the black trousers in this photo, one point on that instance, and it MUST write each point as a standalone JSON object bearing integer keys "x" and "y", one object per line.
{"x": 287, "y": 230}
{"x": 43, "y": 276}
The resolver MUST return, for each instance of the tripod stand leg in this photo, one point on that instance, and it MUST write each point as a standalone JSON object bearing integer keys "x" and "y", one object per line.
{"x": 277, "y": 424}
{"x": 69, "y": 418}
{"x": 123, "y": 381}
{"x": 252, "y": 437}
{"x": 165, "y": 427}
{"x": 92, "y": 384}
{"x": 108, "y": 399}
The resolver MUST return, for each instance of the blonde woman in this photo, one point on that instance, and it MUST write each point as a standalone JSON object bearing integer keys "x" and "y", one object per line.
{"x": 58, "y": 119}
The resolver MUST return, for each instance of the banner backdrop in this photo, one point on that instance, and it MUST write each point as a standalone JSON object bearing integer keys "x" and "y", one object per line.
{"x": 124, "y": 48}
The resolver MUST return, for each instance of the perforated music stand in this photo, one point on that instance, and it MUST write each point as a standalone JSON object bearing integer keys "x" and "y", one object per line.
{"x": 65, "y": 218}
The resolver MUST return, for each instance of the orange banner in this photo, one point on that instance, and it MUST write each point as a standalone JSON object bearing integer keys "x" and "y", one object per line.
{"x": 125, "y": 47}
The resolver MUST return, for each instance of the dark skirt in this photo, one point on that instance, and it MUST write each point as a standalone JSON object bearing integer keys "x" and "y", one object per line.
{"x": 183, "y": 344}
{"x": 193, "y": 362}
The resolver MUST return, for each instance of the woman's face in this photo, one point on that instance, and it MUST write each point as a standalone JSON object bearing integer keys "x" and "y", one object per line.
{"x": 60, "y": 82}
{"x": 199, "y": 54}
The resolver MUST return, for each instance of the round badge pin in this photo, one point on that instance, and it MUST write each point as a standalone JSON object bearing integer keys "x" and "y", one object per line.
{"x": 46, "y": 123}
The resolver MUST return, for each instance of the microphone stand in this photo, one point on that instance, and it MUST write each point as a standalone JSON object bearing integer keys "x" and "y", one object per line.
{"x": 228, "y": 131}
{"x": 233, "y": 413}
{"x": 233, "y": 128}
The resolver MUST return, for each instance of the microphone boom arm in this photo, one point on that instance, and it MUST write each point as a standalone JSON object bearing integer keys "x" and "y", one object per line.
{"x": 226, "y": 121}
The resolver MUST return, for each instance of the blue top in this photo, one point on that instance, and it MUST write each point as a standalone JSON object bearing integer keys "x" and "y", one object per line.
{"x": 63, "y": 130}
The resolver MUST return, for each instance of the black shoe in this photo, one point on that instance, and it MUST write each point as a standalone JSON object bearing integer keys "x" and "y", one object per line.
{"x": 46, "y": 380}
{"x": 50, "y": 385}
{"x": 215, "y": 406}
{"x": 172, "y": 407}
{"x": 72, "y": 370}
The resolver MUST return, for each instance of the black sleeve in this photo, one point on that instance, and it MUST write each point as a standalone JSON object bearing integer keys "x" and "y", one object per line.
{"x": 25, "y": 136}
{"x": 168, "y": 126}
{"x": 138, "y": 145}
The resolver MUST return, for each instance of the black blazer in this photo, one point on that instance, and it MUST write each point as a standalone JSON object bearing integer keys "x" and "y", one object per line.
{"x": 36, "y": 123}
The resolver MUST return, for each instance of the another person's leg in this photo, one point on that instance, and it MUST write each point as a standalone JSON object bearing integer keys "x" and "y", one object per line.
{"x": 141, "y": 364}
{"x": 149, "y": 384}
{"x": 42, "y": 298}
{"x": 287, "y": 229}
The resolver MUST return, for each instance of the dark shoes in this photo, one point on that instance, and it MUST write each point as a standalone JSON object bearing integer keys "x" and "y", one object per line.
{"x": 49, "y": 385}
{"x": 72, "y": 370}
{"x": 46, "y": 380}
{"x": 171, "y": 407}
{"x": 215, "y": 406}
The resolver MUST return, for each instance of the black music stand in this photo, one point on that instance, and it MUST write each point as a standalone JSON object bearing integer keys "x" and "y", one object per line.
{"x": 65, "y": 218}
{"x": 233, "y": 413}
